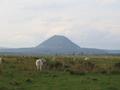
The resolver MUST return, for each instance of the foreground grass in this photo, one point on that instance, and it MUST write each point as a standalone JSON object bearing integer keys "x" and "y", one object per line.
{"x": 16, "y": 76}
{"x": 58, "y": 81}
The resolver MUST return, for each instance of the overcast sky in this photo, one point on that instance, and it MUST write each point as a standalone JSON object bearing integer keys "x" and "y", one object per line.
{"x": 88, "y": 23}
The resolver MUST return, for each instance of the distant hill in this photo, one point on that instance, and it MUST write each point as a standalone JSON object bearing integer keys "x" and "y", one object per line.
{"x": 113, "y": 52}
{"x": 58, "y": 42}
{"x": 56, "y": 45}
{"x": 2, "y": 48}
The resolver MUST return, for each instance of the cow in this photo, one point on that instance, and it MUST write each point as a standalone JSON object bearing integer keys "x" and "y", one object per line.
{"x": 40, "y": 63}
{"x": 86, "y": 58}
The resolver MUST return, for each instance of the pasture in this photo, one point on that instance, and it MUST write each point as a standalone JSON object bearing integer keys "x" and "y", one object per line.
{"x": 60, "y": 73}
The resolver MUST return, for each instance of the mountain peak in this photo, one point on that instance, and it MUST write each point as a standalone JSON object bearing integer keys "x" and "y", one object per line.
{"x": 58, "y": 42}
{"x": 59, "y": 37}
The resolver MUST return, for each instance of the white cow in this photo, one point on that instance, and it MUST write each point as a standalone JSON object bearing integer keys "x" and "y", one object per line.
{"x": 86, "y": 58}
{"x": 0, "y": 60}
{"x": 40, "y": 63}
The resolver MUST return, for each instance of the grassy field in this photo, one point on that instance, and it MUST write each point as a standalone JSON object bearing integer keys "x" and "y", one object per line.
{"x": 61, "y": 73}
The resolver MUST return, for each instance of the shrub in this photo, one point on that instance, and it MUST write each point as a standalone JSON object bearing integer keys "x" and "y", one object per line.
{"x": 55, "y": 65}
{"x": 116, "y": 68}
{"x": 86, "y": 66}
{"x": 117, "y": 65}
{"x": 103, "y": 71}
{"x": 82, "y": 68}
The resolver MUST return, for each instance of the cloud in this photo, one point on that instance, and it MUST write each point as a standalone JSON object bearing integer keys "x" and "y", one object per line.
{"x": 25, "y": 23}
{"x": 104, "y": 2}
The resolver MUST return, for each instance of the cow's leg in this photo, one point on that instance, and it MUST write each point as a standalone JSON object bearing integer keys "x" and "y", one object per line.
{"x": 40, "y": 67}
{"x": 37, "y": 66}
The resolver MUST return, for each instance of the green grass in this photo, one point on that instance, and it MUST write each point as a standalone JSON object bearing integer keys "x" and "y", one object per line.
{"x": 59, "y": 81}
{"x": 16, "y": 75}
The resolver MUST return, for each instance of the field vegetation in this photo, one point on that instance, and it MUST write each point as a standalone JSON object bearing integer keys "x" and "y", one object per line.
{"x": 60, "y": 73}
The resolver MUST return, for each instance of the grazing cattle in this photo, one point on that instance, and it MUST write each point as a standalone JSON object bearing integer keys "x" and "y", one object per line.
{"x": 0, "y": 60}
{"x": 40, "y": 63}
{"x": 86, "y": 58}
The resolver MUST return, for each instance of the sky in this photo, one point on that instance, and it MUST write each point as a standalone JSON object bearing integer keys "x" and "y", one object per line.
{"x": 88, "y": 23}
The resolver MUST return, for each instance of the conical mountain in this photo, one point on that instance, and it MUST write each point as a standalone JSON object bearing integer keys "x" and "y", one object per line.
{"x": 59, "y": 43}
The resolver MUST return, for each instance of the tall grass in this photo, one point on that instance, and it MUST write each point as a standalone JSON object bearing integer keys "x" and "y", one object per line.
{"x": 64, "y": 63}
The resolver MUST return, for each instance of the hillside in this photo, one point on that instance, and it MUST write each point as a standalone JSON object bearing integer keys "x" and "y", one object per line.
{"x": 58, "y": 44}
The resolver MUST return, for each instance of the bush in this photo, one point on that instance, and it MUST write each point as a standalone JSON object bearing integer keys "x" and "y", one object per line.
{"x": 89, "y": 66}
{"x": 82, "y": 68}
{"x": 85, "y": 66}
{"x": 103, "y": 71}
{"x": 54, "y": 65}
{"x": 116, "y": 68}
{"x": 115, "y": 71}
{"x": 117, "y": 65}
